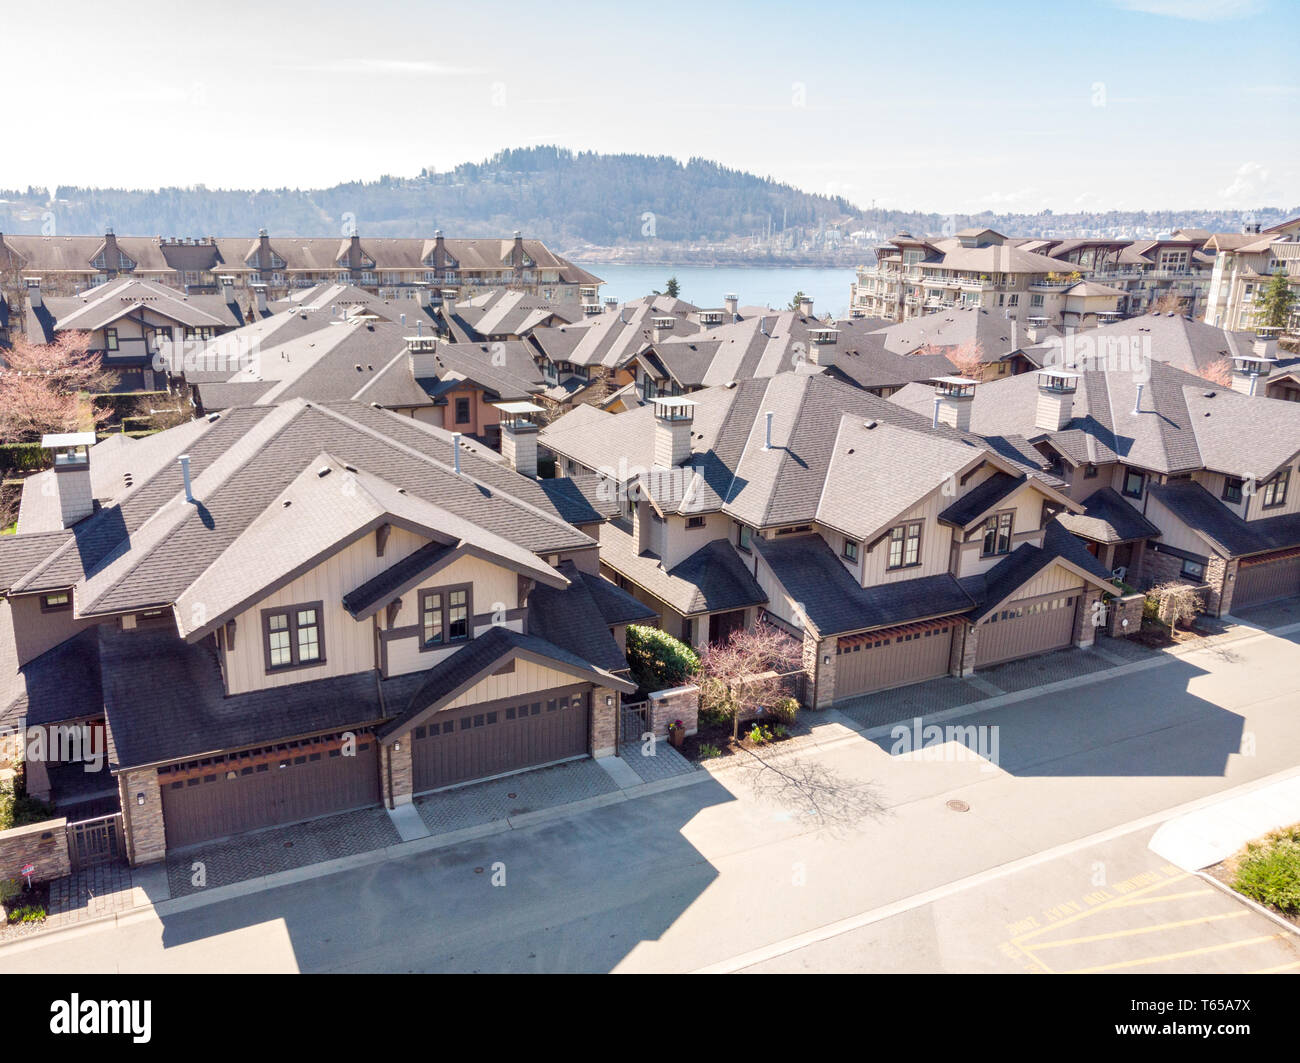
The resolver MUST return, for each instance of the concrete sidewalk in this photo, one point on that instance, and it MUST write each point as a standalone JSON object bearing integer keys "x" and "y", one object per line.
{"x": 1210, "y": 835}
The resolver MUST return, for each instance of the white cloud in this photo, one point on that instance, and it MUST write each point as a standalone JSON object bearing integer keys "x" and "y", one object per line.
{"x": 1196, "y": 10}
{"x": 1250, "y": 180}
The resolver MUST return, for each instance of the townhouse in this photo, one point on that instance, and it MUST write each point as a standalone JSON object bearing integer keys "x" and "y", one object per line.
{"x": 382, "y": 265}
{"x": 760, "y": 344}
{"x": 897, "y": 547}
{"x": 129, "y": 322}
{"x": 1179, "y": 478}
{"x": 1244, "y": 264}
{"x": 282, "y": 611}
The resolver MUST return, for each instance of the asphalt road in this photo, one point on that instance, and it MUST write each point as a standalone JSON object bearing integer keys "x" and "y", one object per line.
{"x": 711, "y": 873}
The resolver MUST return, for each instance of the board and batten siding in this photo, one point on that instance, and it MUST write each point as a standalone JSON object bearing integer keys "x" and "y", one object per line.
{"x": 526, "y": 678}
{"x": 1173, "y": 532}
{"x": 936, "y": 542}
{"x": 349, "y": 643}
{"x": 1055, "y": 579}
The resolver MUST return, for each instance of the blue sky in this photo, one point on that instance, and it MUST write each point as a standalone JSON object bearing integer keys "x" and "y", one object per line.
{"x": 942, "y": 106}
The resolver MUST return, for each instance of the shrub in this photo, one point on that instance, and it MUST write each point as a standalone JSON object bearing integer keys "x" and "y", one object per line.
{"x": 23, "y": 457}
{"x": 32, "y": 913}
{"x": 708, "y": 750}
{"x": 9, "y": 889}
{"x": 758, "y": 734}
{"x": 658, "y": 661}
{"x": 1270, "y": 871}
{"x": 784, "y": 711}
{"x": 17, "y": 808}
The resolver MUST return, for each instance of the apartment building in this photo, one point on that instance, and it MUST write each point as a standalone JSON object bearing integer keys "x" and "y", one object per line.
{"x": 288, "y": 610}
{"x": 977, "y": 268}
{"x": 389, "y": 266}
{"x": 1244, "y": 264}
{"x": 1171, "y": 273}
{"x": 898, "y": 547}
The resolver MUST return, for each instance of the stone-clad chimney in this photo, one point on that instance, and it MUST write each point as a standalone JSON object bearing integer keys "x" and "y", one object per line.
{"x": 34, "y": 297}
{"x": 953, "y": 398}
{"x": 72, "y": 474}
{"x": 519, "y": 436}
{"x": 822, "y": 346}
{"x": 1056, "y": 388}
{"x": 674, "y": 420}
{"x": 732, "y": 303}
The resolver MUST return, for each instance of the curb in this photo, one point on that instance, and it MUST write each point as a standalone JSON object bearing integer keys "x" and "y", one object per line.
{"x": 1255, "y": 906}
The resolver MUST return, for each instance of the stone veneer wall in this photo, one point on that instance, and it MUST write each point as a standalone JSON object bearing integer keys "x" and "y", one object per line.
{"x": 820, "y": 674}
{"x": 1128, "y": 607}
{"x": 396, "y": 771}
{"x": 679, "y": 703}
{"x": 604, "y": 721}
{"x": 142, "y": 824}
{"x": 44, "y": 844}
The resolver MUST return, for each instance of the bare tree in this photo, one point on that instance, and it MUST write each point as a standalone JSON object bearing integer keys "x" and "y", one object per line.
{"x": 1176, "y": 602}
{"x": 742, "y": 676}
{"x": 44, "y": 387}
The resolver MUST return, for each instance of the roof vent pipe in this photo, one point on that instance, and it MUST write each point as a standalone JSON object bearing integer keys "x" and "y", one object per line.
{"x": 455, "y": 452}
{"x": 1137, "y": 400}
{"x": 767, "y": 445}
{"x": 184, "y": 460}
{"x": 935, "y": 422}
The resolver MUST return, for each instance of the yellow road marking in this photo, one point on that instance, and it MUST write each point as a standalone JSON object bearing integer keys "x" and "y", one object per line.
{"x": 1138, "y": 930}
{"x": 1176, "y": 955}
{"x": 1099, "y": 908}
{"x": 1166, "y": 897}
{"x": 1280, "y": 967}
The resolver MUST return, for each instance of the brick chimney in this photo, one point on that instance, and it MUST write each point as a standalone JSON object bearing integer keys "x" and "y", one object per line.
{"x": 72, "y": 474}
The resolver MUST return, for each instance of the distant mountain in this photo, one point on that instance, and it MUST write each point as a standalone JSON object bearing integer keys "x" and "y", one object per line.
{"x": 570, "y": 199}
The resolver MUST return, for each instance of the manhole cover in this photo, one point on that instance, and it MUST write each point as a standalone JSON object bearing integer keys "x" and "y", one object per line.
{"x": 959, "y": 806}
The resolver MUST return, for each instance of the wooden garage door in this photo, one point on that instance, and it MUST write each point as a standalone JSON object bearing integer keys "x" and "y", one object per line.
{"x": 1266, "y": 581}
{"x": 458, "y": 745}
{"x": 1026, "y": 627}
{"x": 890, "y": 658}
{"x": 265, "y": 787}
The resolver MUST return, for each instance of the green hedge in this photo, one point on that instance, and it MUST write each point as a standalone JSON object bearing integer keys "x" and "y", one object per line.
{"x": 659, "y": 661}
{"x": 23, "y": 457}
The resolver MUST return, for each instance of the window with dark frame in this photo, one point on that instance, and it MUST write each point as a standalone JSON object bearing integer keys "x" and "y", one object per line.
{"x": 444, "y": 616}
{"x": 1134, "y": 482}
{"x": 695, "y": 522}
{"x": 1090, "y": 472}
{"x": 462, "y": 411}
{"x": 744, "y": 536}
{"x": 905, "y": 545}
{"x": 293, "y": 637}
{"x": 850, "y": 550}
{"x": 1192, "y": 569}
{"x": 51, "y": 603}
{"x": 1232, "y": 487}
{"x": 110, "y": 339}
{"x": 997, "y": 534}
{"x": 1274, "y": 490}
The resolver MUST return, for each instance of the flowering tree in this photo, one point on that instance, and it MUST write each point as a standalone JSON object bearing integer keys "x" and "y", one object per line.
{"x": 966, "y": 358}
{"x": 43, "y": 387}
{"x": 1219, "y": 372}
{"x": 742, "y": 676}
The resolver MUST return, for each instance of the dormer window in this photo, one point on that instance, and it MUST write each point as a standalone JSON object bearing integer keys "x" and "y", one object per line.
{"x": 292, "y": 637}
{"x": 444, "y": 616}
{"x": 1232, "y": 489}
{"x": 905, "y": 545}
{"x": 997, "y": 534}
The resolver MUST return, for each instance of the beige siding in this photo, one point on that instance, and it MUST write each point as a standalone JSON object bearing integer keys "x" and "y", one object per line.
{"x": 1256, "y": 504}
{"x": 1173, "y": 532}
{"x": 677, "y": 542}
{"x": 405, "y": 655}
{"x": 35, "y": 631}
{"x": 525, "y": 678}
{"x": 936, "y": 539}
{"x": 1054, "y": 579}
{"x": 779, "y": 602}
{"x": 1213, "y": 482}
{"x": 350, "y": 644}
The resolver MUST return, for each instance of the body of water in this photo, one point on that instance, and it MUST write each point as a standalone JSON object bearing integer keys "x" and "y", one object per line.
{"x": 705, "y": 286}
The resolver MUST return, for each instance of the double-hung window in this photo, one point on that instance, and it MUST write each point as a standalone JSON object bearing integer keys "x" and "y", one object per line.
{"x": 997, "y": 534}
{"x": 293, "y": 636}
{"x": 905, "y": 545}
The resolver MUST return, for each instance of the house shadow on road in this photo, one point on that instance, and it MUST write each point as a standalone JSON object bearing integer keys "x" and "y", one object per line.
{"x": 1143, "y": 723}
{"x": 573, "y": 894}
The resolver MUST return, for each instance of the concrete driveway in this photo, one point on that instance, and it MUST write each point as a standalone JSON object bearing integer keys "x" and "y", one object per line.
{"x": 701, "y": 875}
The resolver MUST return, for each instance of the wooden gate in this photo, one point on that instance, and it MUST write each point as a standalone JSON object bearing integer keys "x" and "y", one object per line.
{"x": 95, "y": 841}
